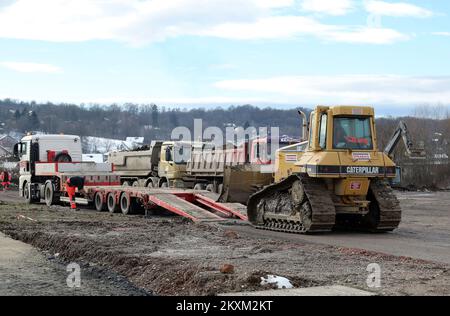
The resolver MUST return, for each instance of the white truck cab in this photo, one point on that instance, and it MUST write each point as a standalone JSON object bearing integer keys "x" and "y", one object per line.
{"x": 47, "y": 160}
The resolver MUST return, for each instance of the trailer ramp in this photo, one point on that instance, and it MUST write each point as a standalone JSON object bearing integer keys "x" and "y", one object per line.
{"x": 182, "y": 207}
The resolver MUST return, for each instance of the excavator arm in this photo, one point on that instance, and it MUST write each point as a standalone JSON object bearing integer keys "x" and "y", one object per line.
{"x": 402, "y": 133}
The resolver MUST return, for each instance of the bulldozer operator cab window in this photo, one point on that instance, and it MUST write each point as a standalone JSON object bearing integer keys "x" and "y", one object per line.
{"x": 352, "y": 133}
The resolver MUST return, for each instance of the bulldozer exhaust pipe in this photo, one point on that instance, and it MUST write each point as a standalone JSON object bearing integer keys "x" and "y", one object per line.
{"x": 304, "y": 126}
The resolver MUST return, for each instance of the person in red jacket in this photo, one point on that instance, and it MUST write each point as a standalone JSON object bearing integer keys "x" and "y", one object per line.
{"x": 72, "y": 184}
{"x": 5, "y": 179}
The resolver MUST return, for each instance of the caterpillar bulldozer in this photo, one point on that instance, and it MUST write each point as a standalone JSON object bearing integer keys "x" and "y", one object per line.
{"x": 336, "y": 178}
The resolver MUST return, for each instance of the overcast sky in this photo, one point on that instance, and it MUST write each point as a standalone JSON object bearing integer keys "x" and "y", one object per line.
{"x": 208, "y": 52}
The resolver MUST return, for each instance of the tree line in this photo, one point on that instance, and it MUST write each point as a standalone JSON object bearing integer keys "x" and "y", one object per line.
{"x": 427, "y": 124}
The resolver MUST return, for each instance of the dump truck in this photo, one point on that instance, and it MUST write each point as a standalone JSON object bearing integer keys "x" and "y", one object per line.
{"x": 339, "y": 179}
{"x": 154, "y": 167}
{"x": 206, "y": 167}
{"x": 138, "y": 167}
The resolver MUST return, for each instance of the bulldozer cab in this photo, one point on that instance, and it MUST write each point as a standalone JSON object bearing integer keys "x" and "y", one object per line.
{"x": 342, "y": 128}
{"x": 342, "y": 143}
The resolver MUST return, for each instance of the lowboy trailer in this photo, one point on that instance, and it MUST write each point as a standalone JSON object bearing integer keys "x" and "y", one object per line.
{"x": 48, "y": 161}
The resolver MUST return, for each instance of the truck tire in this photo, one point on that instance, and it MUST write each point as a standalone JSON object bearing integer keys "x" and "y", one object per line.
{"x": 210, "y": 188}
{"x": 100, "y": 205}
{"x": 163, "y": 184}
{"x": 199, "y": 187}
{"x": 150, "y": 184}
{"x": 136, "y": 184}
{"x": 63, "y": 157}
{"x": 50, "y": 196}
{"x": 126, "y": 204}
{"x": 126, "y": 184}
{"x": 111, "y": 203}
{"x": 27, "y": 194}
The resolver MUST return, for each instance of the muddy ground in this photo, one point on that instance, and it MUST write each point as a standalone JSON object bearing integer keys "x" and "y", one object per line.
{"x": 166, "y": 255}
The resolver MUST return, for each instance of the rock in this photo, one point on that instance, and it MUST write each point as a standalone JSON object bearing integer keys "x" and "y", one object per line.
{"x": 231, "y": 234}
{"x": 227, "y": 269}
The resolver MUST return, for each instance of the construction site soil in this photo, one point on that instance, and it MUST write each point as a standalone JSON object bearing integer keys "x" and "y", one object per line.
{"x": 169, "y": 255}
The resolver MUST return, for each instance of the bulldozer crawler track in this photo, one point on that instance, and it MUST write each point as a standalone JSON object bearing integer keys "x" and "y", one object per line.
{"x": 390, "y": 211}
{"x": 323, "y": 210}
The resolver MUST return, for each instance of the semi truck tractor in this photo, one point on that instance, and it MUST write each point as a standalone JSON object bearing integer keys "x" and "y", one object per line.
{"x": 46, "y": 162}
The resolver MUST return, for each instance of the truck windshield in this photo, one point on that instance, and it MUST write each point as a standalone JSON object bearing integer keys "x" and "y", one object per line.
{"x": 352, "y": 133}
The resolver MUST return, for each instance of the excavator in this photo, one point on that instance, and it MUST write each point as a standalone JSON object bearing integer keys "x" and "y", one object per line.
{"x": 411, "y": 152}
{"x": 338, "y": 177}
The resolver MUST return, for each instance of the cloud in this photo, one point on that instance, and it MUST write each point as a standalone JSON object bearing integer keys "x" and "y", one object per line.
{"x": 30, "y": 67}
{"x": 138, "y": 22}
{"x": 123, "y": 20}
{"x": 441, "y": 34}
{"x": 397, "y": 9}
{"x": 330, "y": 7}
{"x": 224, "y": 66}
{"x": 285, "y": 27}
{"x": 346, "y": 89}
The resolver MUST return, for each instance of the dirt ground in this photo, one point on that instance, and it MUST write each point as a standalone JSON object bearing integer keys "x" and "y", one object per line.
{"x": 168, "y": 255}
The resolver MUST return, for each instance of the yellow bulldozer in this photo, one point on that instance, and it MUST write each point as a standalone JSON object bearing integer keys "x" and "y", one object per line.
{"x": 335, "y": 178}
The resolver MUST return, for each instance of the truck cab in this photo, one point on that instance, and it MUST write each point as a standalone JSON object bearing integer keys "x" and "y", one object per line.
{"x": 34, "y": 149}
{"x": 173, "y": 162}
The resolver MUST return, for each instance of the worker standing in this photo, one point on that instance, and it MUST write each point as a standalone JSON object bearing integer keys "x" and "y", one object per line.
{"x": 72, "y": 185}
{"x": 5, "y": 179}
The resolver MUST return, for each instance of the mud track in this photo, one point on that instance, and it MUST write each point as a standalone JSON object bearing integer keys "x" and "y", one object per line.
{"x": 171, "y": 256}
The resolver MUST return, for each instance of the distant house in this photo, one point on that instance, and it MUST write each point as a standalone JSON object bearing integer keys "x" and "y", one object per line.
{"x": 7, "y": 145}
{"x": 4, "y": 152}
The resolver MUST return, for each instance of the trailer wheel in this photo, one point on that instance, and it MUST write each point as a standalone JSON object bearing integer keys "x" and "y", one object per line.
{"x": 49, "y": 194}
{"x": 126, "y": 204}
{"x": 111, "y": 202}
{"x": 98, "y": 201}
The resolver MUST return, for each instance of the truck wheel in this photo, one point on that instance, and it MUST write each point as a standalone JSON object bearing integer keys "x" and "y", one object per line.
{"x": 49, "y": 194}
{"x": 63, "y": 157}
{"x": 27, "y": 192}
{"x": 99, "y": 204}
{"x": 135, "y": 184}
{"x": 126, "y": 184}
{"x": 126, "y": 205}
{"x": 210, "y": 188}
{"x": 164, "y": 185}
{"x": 150, "y": 184}
{"x": 199, "y": 187}
{"x": 111, "y": 202}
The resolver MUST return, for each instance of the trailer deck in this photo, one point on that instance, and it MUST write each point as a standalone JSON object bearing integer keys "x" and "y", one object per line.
{"x": 198, "y": 206}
